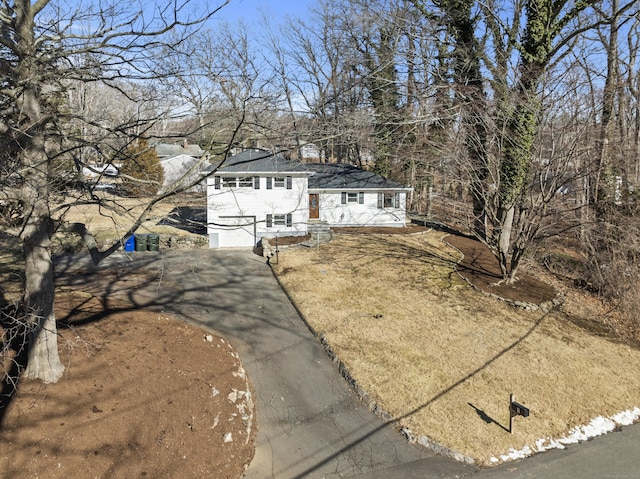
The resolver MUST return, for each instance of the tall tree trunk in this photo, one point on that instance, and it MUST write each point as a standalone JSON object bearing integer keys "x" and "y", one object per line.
{"x": 602, "y": 189}
{"x": 38, "y": 300}
{"x": 504, "y": 240}
{"x": 44, "y": 361}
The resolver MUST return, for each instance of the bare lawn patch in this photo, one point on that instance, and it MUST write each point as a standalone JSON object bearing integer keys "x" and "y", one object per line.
{"x": 441, "y": 358}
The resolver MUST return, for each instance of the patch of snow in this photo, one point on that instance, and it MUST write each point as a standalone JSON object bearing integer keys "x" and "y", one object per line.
{"x": 626, "y": 418}
{"x": 597, "y": 427}
{"x": 228, "y": 437}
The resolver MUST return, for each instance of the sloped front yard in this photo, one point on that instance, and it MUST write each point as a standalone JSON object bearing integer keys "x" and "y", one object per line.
{"x": 443, "y": 359}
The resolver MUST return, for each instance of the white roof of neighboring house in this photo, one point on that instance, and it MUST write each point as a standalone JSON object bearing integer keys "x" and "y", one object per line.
{"x": 168, "y": 150}
{"x": 176, "y": 167}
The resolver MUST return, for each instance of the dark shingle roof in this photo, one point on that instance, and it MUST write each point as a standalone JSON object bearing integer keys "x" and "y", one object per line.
{"x": 260, "y": 161}
{"x": 323, "y": 176}
{"x": 329, "y": 176}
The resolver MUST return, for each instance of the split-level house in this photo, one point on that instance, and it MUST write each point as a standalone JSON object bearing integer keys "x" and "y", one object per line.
{"x": 257, "y": 194}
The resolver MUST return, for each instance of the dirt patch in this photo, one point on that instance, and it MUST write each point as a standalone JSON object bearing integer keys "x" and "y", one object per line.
{"x": 442, "y": 359}
{"x": 480, "y": 268}
{"x": 143, "y": 395}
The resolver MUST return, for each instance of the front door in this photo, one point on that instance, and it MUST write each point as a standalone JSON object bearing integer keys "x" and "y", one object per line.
{"x": 314, "y": 206}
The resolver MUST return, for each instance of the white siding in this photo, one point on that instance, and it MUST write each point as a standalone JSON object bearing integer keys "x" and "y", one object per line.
{"x": 246, "y": 201}
{"x": 355, "y": 214}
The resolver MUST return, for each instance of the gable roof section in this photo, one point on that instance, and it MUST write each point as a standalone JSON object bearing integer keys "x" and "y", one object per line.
{"x": 334, "y": 176}
{"x": 260, "y": 161}
{"x": 168, "y": 150}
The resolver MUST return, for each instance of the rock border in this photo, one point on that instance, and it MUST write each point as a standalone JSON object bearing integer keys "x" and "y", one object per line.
{"x": 364, "y": 396}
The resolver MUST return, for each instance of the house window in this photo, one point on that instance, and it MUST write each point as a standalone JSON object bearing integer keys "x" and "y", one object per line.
{"x": 245, "y": 182}
{"x": 216, "y": 182}
{"x": 256, "y": 182}
{"x": 279, "y": 220}
{"x": 229, "y": 182}
{"x": 349, "y": 197}
{"x": 388, "y": 200}
{"x": 279, "y": 182}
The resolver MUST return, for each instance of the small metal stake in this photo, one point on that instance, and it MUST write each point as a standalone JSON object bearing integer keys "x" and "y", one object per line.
{"x": 511, "y": 399}
{"x": 516, "y": 409}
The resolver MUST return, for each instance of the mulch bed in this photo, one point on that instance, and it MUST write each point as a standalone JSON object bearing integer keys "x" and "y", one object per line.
{"x": 480, "y": 268}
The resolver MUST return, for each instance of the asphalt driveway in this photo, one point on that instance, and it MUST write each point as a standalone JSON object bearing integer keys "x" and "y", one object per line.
{"x": 310, "y": 423}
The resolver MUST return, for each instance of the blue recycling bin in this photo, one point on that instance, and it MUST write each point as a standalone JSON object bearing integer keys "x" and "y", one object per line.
{"x": 130, "y": 244}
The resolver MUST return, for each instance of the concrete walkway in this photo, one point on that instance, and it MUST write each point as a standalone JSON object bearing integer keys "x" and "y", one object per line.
{"x": 310, "y": 424}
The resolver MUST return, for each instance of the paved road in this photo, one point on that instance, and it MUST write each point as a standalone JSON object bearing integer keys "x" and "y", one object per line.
{"x": 310, "y": 423}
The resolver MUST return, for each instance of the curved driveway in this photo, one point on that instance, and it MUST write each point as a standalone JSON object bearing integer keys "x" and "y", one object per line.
{"x": 310, "y": 423}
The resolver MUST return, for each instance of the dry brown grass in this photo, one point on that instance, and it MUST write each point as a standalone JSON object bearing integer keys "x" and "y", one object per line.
{"x": 443, "y": 359}
{"x": 118, "y": 214}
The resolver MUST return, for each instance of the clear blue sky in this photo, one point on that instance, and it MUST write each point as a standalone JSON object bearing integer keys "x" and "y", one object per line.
{"x": 252, "y": 10}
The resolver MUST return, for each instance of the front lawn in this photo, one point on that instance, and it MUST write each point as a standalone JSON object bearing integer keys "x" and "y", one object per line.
{"x": 443, "y": 359}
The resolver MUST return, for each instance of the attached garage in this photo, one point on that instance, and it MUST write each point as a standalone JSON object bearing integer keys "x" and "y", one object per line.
{"x": 233, "y": 231}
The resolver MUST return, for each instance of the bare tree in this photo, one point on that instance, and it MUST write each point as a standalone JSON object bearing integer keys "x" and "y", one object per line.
{"x": 48, "y": 48}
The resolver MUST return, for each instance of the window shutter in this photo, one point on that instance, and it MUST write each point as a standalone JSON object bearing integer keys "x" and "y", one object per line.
{"x": 256, "y": 182}
{"x": 380, "y": 200}
{"x": 344, "y": 198}
{"x": 269, "y": 221}
{"x": 289, "y": 220}
{"x": 361, "y": 198}
{"x": 396, "y": 200}
{"x": 269, "y": 183}
{"x": 289, "y": 183}
{"x": 216, "y": 181}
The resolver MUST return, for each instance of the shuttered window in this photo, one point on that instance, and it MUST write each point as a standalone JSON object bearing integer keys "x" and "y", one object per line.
{"x": 352, "y": 198}
{"x": 388, "y": 200}
{"x": 245, "y": 182}
{"x": 280, "y": 220}
{"x": 279, "y": 182}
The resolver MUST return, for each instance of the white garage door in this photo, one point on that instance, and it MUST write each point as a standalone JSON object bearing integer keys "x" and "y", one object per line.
{"x": 234, "y": 231}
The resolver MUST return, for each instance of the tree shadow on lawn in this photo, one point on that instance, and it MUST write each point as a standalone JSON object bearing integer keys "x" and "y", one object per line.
{"x": 441, "y": 394}
{"x": 13, "y": 351}
{"x": 137, "y": 281}
{"x": 478, "y": 266}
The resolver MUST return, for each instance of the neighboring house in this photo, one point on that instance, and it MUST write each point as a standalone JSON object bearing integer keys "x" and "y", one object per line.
{"x": 182, "y": 164}
{"x": 257, "y": 194}
{"x": 101, "y": 177}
